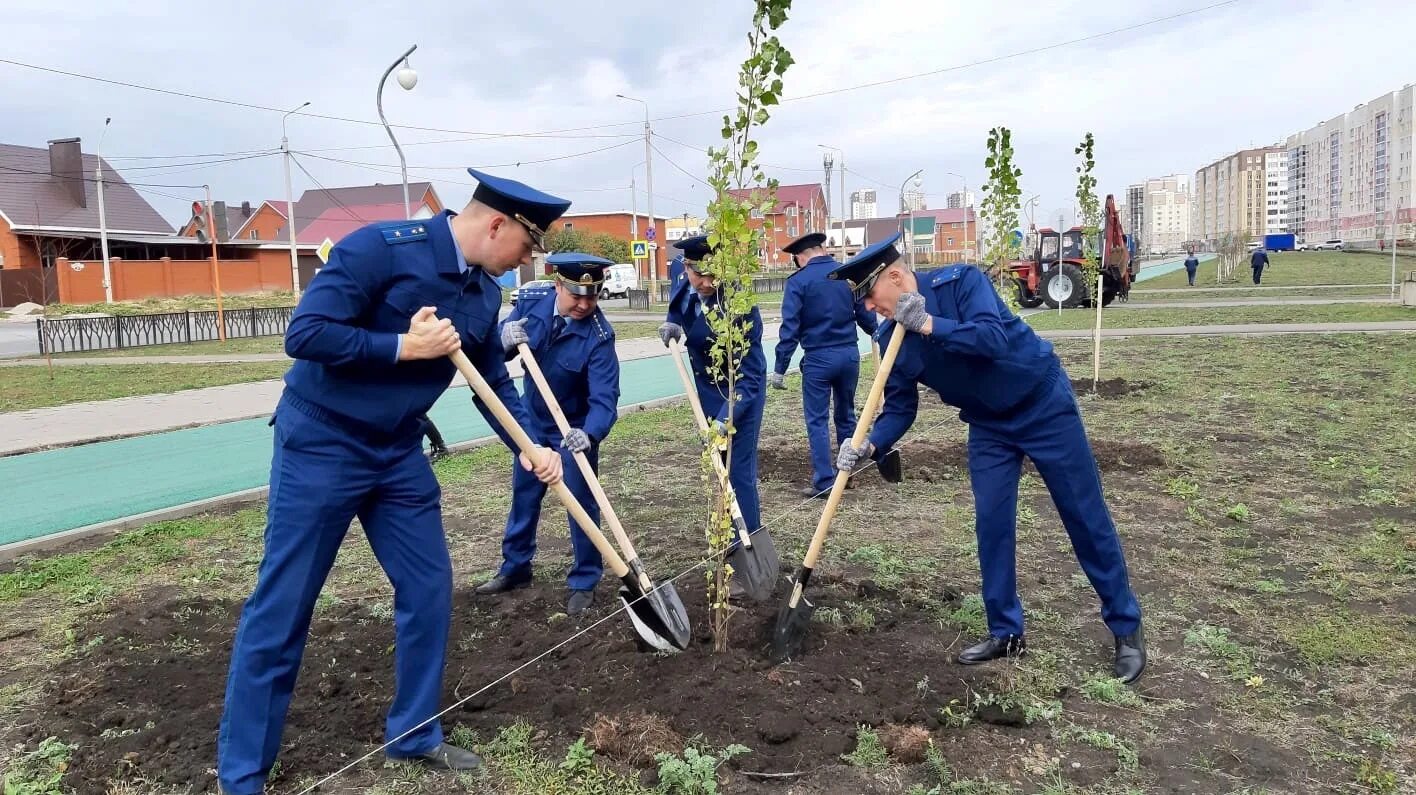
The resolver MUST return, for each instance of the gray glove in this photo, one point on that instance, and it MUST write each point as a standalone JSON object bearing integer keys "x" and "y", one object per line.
{"x": 716, "y": 435}
{"x": 513, "y": 333}
{"x": 777, "y": 380}
{"x": 576, "y": 441}
{"x": 670, "y": 331}
{"x": 849, "y": 457}
{"x": 910, "y": 312}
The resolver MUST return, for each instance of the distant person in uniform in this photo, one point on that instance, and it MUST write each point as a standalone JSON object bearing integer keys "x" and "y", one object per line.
{"x": 371, "y": 339}
{"x": 690, "y": 304}
{"x": 575, "y": 347}
{"x": 1011, "y": 390}
{"x": 821, "y": 315}
{"x": 1258, "y": 261}
{"x": 1192, "y": 266}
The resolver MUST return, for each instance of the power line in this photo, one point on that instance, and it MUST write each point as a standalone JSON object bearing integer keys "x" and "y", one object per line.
{"x": 518, "y": 163}
{"x": 681, "y": 169}
{"x": 560, "y": 132}
{"x": 327, "y": 191}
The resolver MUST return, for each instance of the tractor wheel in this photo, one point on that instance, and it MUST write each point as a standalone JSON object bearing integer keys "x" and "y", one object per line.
{"x": 1064, "y": 286}
{"x": 1027, "y": 299}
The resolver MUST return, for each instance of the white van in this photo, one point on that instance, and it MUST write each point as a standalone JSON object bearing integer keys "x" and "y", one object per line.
{"x": 619, "y": 280}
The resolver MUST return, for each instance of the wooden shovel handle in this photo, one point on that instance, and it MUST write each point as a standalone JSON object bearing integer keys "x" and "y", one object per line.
{"x": 867, "y": 419}
{"x": 518, "y": 435}
{"x": 677, "y": 355}
{"x": 528, "y": 361}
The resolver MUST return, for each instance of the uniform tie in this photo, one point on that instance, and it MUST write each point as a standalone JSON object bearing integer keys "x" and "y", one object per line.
{"x": 557, "y": 326}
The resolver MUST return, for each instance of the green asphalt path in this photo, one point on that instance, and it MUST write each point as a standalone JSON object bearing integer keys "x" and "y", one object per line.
{"x": 57, "y": 490}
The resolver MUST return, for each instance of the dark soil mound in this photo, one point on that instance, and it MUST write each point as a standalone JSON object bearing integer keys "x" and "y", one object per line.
{"x": 1108, "y": 388}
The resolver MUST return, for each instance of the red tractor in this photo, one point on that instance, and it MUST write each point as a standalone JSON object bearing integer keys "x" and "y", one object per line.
{"x": 1056, "y": 272}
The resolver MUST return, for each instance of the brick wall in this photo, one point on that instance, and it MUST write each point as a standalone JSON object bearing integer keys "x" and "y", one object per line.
{"x": 135, "y": 280}
{"x": 617, "y": 225}
{"x": 18, "y": 253}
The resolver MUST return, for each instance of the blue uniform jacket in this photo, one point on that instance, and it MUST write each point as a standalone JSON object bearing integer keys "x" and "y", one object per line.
{"x": 980, "y": 357}
{"x": 344, "y": 333}
{"x": 686, "y": 309}
{"x": 580, "y": 365}
{"x": 818, "y": 312}
{"x": 1258, "y": 259}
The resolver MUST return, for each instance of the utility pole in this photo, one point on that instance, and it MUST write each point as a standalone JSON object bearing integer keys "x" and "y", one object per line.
{"x": 652, "y": 235}
{"x": 1395, "y": 220}
{"x": 290, "y": 207}
{"x": 215, "y": 270}
{"x": 102, "y": 217}
{"x": 633, "y": 213}
{"x": 827, "y": 161}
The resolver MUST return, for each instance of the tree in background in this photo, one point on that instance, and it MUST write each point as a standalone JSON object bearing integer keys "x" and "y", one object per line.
{"x": 999, "y": 213}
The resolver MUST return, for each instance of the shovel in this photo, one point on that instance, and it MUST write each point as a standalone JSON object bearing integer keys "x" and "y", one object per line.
{"x": 661, "y": 597}
{"x": 650, "y": 625}
{"x": 756, "y": 555}
{"x": 795, "y": 616}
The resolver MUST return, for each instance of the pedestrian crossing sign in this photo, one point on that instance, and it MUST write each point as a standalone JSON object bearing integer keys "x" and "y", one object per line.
{"x": 324, "y": 249}
{"x": 639, "y": 249}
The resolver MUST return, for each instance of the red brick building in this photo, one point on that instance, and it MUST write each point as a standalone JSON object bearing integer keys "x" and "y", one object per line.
{"x": 800, "y": 209}
{"x": 618, "y": 225}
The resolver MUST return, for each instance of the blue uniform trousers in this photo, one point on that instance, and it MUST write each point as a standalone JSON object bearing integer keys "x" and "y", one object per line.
{"x": 828, "y": 374}
{"x": 1050, "y": 432}
{"x": 519, "y": 542}
{"x": 321, "y": 477}
{"x": 742, "y": 473}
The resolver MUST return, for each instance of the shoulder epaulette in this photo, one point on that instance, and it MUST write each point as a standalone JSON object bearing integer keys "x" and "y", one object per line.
{"x": 405, "y": 232}
{"x": 602, "y": 326}
{"x": 948, "y": 274}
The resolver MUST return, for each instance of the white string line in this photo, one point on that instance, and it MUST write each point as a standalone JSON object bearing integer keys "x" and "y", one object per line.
{"x": 623, "y": 607}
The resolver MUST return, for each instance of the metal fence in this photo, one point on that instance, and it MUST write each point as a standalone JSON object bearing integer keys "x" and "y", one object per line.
{"x": 760, "y": 284}
{"x": 68, "y": 334}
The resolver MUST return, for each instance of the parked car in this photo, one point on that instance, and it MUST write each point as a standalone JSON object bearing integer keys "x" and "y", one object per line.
{"x": 619, "y": 280}
{"x": 544, "y": 281}
{"x": 1329, "y": 245}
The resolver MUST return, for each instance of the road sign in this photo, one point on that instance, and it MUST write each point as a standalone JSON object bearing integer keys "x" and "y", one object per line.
{"x": 639, "y": 249}
{"x": 324, "y": 249}
{"x": 649, "y": 233}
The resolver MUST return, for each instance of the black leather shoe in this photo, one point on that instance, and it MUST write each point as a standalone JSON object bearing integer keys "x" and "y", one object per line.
{"x": 500, "y": 584}
{"x": 445, "y": 757}
{"x": 579, "y": 602}
{"x": 993, "y": 648}
{"x": 813, "y": 493}
{"x": 1130, "y": 656}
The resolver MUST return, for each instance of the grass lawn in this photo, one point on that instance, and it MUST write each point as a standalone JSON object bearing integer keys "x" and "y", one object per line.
{"x": 1262, "y": 490}
{"x": 158, "y": 305}
{"x": 272, "y": 344}
{"x": 1232, "y": 293}
{"x": 1289, "y": 268}
{"x": 36, "y": 386}
{"x": 1117, "y": 316}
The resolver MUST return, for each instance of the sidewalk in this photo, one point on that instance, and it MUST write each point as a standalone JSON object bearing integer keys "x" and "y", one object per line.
{"x": 1279, "y": 288}
{"x": 80, "y": 423}
{"x": 1242, "y": 330}
{"x": 1233, "y": 302}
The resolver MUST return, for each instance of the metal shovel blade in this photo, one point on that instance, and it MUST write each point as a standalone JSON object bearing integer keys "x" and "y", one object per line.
{"x": 793, "y": 623}
{"x": 892, "y": 469}
{"x": 658, "y": 616}
{"x": 756, "y": 562}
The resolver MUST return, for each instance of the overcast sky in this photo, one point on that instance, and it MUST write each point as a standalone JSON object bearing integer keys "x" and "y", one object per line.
{"x": 1163, "y": 98}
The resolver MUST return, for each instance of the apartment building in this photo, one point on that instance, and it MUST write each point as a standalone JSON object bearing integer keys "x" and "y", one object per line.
{"x": 1231, "y": 196}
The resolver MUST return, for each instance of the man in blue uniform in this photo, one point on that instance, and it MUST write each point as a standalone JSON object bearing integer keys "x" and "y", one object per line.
{"x": 1257, "y": 261}
{"x": 575, "y": 347}
{"x": 1011, "y": 389}
{"x": 821, "y": 315}
{"x": 689, "y": 304}
{"x": 371, "y": 339}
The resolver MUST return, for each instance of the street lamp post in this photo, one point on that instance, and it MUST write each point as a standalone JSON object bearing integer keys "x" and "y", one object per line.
{"x": 652, "y": 235}
{"x": 408, "y": 79}
{"x": 102, "y": 217}
{"x": 290, "y": 205}
{"x": 842, "y": 164}
{"x": 1395, "y": 224}
{"x": 909, "y": 239}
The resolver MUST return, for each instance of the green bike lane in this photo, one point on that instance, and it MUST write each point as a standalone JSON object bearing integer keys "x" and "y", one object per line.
{"x": 57, "y": 490}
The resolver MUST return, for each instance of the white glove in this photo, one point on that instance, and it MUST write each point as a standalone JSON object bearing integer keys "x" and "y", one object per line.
{"x": 576, "y": 441}
{"x": 513, "y": 333}
{"x": 910, "y": 312}
{"x": 849, "y": 457}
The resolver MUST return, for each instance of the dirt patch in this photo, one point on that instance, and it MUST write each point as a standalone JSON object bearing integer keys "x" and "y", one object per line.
{"x": 634, "y": 738}
{"x": 1108, "y": 388}
{"x": 146, "y": 701}
{"x": 781, "y": 460}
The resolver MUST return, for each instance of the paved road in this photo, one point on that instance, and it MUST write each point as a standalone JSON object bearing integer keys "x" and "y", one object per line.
{"x": 17, "y": 338}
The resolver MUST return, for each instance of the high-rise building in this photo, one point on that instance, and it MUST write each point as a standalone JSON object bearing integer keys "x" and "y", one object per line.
{"x": 1240, "y": 196}
{"x": 1348, "y": 176}
{"x": 1133, "y": 213}
{"x": 863, "y": 204}
{"x": 914, "y": 200}
{"x": 958, "y": 200}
